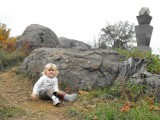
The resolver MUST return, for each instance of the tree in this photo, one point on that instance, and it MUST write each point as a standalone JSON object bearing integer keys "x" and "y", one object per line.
{"x": 4, "y": 32}
{"x": 6, "y": 42}
{"x": 120, "y": 35}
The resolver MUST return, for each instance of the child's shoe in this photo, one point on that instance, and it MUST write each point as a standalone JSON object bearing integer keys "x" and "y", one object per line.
{"x": 55, "y": 100}
{"x": 71, "y": 97}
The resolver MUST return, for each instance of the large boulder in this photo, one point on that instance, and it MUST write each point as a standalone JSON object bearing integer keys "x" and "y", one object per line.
{"x": 36, "y": 36}
{"x": 78, "y": 68}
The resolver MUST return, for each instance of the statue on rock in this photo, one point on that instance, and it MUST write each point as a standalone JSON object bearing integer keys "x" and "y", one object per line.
{"x": 144, "y": 30}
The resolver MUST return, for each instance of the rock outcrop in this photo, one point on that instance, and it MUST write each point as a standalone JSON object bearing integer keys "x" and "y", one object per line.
{"x": 87, "y": 69}
{"x": 37, "y": 36}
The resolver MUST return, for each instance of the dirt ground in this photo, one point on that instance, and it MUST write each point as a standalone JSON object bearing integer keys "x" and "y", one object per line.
{"x": 15, "y": 90}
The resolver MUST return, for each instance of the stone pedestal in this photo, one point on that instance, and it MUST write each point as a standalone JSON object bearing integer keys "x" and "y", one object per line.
{"x": 143, "y": 34}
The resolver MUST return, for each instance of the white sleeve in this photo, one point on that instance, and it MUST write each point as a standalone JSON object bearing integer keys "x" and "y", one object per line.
{"x": 37, "y": 84}
{"x": 55, "y": 87}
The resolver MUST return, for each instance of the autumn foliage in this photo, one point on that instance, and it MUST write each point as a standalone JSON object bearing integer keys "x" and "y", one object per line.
{"x": 4, "y": 32}
{"x": 6, "y": 42}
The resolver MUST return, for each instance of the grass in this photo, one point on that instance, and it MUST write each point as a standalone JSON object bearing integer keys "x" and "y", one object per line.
{"x": 9, "y": 59}
{"x": 92, "y": 107}
{"x": 9, "y": 111}
{"x": 102, "y": 104}
{"x": 111, "y": 111}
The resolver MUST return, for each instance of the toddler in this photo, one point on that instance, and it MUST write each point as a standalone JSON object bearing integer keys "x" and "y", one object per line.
{"x": 47, "y": 86}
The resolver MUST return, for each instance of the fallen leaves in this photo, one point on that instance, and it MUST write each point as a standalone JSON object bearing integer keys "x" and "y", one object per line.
{"x": 81, "y": 92}
{"x": 155, "y": 108}
{"x": 151, "y": 104}
{"x": 126, "y": 107}
{"x": 150, "y": 101}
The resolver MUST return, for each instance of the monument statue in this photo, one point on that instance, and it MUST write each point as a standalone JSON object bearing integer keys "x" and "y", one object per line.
{"x": 144, "y": 30}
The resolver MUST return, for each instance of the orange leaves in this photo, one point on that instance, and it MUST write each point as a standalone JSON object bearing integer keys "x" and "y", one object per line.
{"x": 6, "y": 42}
{"x": 126, "y": 107}
{"x": 150, "y": 106}
{"x": 9, "y": 44}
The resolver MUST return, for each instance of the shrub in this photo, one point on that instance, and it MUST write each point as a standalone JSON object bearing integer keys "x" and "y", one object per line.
{"x": 9, "y": 59}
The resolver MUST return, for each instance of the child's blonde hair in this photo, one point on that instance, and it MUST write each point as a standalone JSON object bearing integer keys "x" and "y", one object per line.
{"x": 50, "y": 66}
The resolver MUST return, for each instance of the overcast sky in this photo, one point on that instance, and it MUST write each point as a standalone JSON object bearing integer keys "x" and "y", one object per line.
{"x": 77, "y": 19}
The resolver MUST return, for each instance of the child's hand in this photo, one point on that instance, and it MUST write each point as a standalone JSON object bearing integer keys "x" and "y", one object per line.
{"x": 34, "y": 96}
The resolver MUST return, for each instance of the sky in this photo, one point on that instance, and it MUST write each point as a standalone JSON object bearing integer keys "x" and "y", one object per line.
{"x": 77, "y": 19}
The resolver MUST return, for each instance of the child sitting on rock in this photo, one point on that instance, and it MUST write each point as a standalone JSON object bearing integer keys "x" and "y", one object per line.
{"x": 47, "y": 86}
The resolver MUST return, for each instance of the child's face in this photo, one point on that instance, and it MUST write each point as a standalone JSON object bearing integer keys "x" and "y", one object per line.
{"x": 50, "y": 73}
